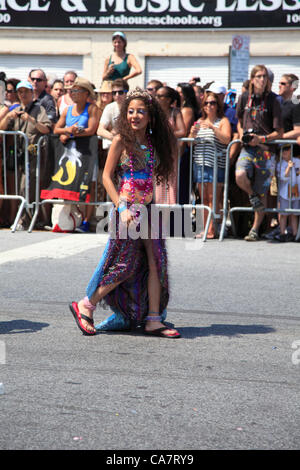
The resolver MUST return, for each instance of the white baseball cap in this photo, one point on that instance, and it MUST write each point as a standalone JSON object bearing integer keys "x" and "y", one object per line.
{"x": 24, "y": 84}
{"x": 217, "y": 88}
{"x": 119, "y": 33}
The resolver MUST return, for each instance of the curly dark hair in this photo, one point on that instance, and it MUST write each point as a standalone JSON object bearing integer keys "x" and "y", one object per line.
{"x": 158, "y": 129}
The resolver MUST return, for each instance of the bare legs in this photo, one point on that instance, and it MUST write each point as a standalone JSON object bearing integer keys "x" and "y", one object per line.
{"x": 96, "y": 297}
{"x": 154, "y": 291}
{"x": 244, "y": 183}
{"x": 208, "y": 201}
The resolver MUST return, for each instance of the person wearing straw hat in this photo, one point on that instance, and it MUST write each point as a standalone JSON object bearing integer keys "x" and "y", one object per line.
{"x": 120, "y": 63}
{"x": 80, "y": 120}
{"x": 105, "y": 95}
{"x": 104, "y": 98}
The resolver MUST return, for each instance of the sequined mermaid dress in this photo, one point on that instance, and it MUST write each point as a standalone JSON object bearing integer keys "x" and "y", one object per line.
{"x": 125, "y": 260}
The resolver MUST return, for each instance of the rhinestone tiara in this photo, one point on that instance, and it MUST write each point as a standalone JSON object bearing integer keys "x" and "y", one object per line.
{"x": 138, "y": 92}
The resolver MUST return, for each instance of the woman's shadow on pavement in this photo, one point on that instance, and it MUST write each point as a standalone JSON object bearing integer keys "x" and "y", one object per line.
{"x": 192, "y": 332}
{"x": 230, "y": 331}
{"x": 13, "y": 327}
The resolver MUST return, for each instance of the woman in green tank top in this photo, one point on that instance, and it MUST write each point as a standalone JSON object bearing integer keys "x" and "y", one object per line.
{"x": 119, "y": 64}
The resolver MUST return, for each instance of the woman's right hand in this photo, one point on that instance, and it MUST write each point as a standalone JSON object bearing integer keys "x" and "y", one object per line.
{"x": 64, "y": 138}
{"x": 110, "y": 69}
{"x": 126, "y": 217}
{"x": 194, "y": 129}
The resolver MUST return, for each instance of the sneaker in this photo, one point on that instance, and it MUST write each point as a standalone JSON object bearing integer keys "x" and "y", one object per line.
{"x": 280, "y": 238}
{"x": 19, "y": 227}
{"x": 272, "y": 235}
{"x": 289, "y": 237}
{"x": 252, "y": 236}
{"x": 256, "y": 202}
{"x": 83, "y": 228}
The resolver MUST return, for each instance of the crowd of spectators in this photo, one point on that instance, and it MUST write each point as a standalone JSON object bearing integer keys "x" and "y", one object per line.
{"x": 208, "y": 112}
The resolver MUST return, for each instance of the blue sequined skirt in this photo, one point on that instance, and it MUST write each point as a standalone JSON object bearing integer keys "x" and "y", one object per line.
{"x": 125, "y": 261}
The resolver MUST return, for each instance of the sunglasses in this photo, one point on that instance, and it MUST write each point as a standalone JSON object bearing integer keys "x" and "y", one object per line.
{"x": 150, "y": 89}
{"x": 37, "y": 79}
{"x": 10, "y": 91}
{"x": 119, "y": 92}
{"x": 77, "y": 91}
{"x": 212, "y": 103}
{"x": 283, "y": 83}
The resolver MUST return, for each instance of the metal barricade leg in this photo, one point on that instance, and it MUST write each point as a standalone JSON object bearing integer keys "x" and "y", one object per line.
{"x": 37, "y": 186}
{"x": 19, "y": 213}
{"x": 11, "y": 155}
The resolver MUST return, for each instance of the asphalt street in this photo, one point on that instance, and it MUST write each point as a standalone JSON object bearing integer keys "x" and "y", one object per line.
{"x": 232, "y": 381}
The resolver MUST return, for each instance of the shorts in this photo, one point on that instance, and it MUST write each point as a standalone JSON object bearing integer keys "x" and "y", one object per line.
{"x": 208, "y": 174}
{"x": 284, "y": 203}
{"x": 259, "y": 165}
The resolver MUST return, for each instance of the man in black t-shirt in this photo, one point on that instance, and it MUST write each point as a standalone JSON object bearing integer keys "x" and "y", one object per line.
{"x": 259, "y": 114}
{"x": 290, "y": 109}
{"x": 38, "y": 79}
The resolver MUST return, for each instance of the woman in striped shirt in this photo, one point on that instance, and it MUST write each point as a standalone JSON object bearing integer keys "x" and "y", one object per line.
{"x": 214, "y": 133}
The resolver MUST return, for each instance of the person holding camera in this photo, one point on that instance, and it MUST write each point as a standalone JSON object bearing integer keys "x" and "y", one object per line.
{"x": 31, "y": 119}
{"x": 260, "y": 118}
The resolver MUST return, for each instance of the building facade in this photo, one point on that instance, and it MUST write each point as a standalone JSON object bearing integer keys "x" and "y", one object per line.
{"x": 172, "y": 39}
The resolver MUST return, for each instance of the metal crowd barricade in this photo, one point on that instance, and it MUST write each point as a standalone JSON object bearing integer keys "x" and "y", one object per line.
{"x": 39, "y": 203}
{"x": 228, "y": 212}
{"x": 191, "y": 206}
{"x": 212, "y": 211}
{"x": 24, "y": 200}
{"x": 105, "y": 205}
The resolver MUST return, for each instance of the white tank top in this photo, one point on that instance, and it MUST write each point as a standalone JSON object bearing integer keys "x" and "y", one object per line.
{"x": 62, "y": 105}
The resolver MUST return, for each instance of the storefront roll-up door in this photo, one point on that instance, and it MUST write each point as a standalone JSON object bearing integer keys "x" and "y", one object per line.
{"x": 279, "y": 66}
{"x": 172, "y": 70}
{"x": 19, "y": 65}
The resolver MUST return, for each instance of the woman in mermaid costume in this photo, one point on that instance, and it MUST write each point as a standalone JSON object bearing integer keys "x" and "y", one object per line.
{"x": 132, "y": 275}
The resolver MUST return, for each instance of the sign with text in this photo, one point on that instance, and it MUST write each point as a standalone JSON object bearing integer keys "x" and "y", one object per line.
{"x": 150, "y": 14}
{"x": 239, "y": 60}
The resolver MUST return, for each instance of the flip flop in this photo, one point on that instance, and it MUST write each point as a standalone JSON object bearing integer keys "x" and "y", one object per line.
{"x": 78, "y": 316}
{"x": 159, "y": 332}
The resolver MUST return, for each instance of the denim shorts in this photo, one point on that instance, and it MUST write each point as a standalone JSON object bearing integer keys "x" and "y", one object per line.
{"x": 284, "y": 203}
{"x": 208, "y": 174}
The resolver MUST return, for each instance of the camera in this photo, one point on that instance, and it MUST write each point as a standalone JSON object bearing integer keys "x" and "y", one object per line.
{"x": 248, "y": 136}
